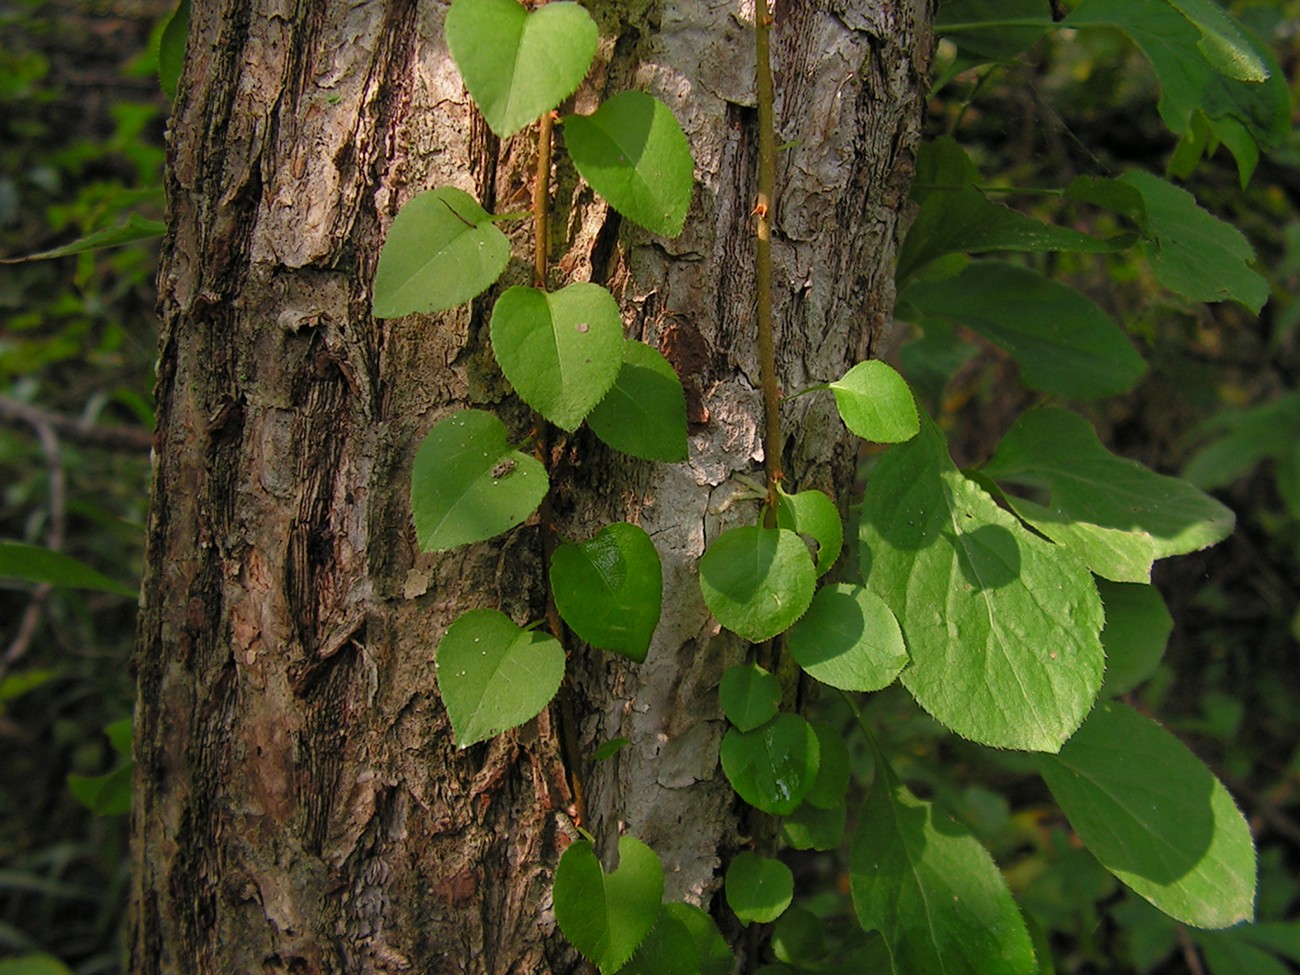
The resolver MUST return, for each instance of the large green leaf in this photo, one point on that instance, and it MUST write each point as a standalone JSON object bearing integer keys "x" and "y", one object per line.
{"x": 610, "y": 589}
{"x": 635, "y": 155}
{"x": 494, "y": 675}
{"x": 759, "y": 889}
{"x": 441, "y": 251}
{"x": 1138, "y": 625}
{"x": 31, "y": 563}
{"x": 757, "y": 581}
{"x": 560, "y": 350}
{"x": 1114, "y": 513}
{"x": 1222, "y": 42}
{"x": 644, "y": 415}
{"x": 814, "y": 514}
{"x": 1001, "y": 625}
{"x": 849, "y": 639}
{"x": 1062, "y": 340}
{"x": 875, "y": 403}
{"x": 469, "y": 484}
{"x": 519, "y": 64}
{"x": 1155, "y": 817}
{"x": 1193, "y": 252}
{"x": 932, "y": 891}
{"x": 772, "y": 767}
{"x": 606, "y": 916}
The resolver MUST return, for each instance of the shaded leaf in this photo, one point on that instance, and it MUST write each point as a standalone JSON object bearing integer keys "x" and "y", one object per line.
{"x": 494, "y": 675}
{"x": 757, "y": 581}
{"x": 1155, "y": 817}
{"x": 714, "y": 954}
{"x": 813, "y": 514}
{"x": 1137, "y": 629}
{"x": 610, "y": 589}
{"x": 171, "y": 49}
{"x": 849, "y": 639}
{"x": 668, "y": 949}
{"x": 135, "y": 228}
{"x": 749, "y": 695}
{"x": 31, "y": 563}
{"x": 832, "y": 780}
{"x": 644, "y": 415}
{"x": 772, "y": 767}
{"x": 997, "y": 30}
{"x": 758, "y": 888}
{"x": 606, "y": 916}
{"x": 108, "y": 794}
{"x": 811, "y": 828}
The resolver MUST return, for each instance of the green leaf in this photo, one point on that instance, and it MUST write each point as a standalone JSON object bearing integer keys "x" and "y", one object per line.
{"x": 108, "y": 794}
{"x": 668, "y": 949}
{"x": 1155, "y": 817}
{"x": 494, "y": 675}
{"x": 772, "y": 767}
{"x": 1193, "y": 252}
{"x": 1244, "y": 438}
{"x": 608, "y": 749}
{"x": 1132, "y": 511}
{"x": 810, "y": 828}
{"x": 1062, "y": 340}
{"x": 1137, "y": 629}
{"x": 1002, "y": 626}
{"x": 33, "y": 965}
{"x": 757, "y": 581}
{"x": 849, "y": 639}
{"x": 813, "y": 514}
{"x": 610, "y": 589}
{"x": 981, "y": 27}
{"x": 31, "y": 563}
{"x": 1222, "y": 43}
{"x": 519, "y": 65}
{"x": 644, "y": 415}
{"x": 798, "y": 937}
{"x": 441, "y": 251}
{"x": 606, "y": 916}
{"x": 714, "y": 954}
{"x": 750, "y": 696}
{"x": 928, "y": 886}
{"x": 561, "y": 351}
{"x": 1228, "y": 953}
{"x": 635, "y": 155}
{"x": 468, "y": 484}
{"x": 171, "y": 49}
{"x": 832, "y": 780}
{"x": 135, "y": 228}
{"x": 875, "y": 403}
{"x": 758, "y": 889}
{"x": 1190, "y": 81}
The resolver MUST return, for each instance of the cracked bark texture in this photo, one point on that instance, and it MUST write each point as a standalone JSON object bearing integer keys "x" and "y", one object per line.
{"x": 301, "y": 807}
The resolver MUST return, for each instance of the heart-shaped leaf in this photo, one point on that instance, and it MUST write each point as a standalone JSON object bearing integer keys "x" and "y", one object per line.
{"x": 610, "y": 589}
{"x": 772, "y": 767}
{"x": 758, "y": 889}
{"x": 1155, "y": 817}
{"x": 668, "y": 949}
{"x": 635, "y": 155}
{"x": 875, "y": 403}
{"x": 644, "y": 415}
{"x": 606, "y": 916}
{"x": 757, "y": 581}
{"x": 441, "y": 251}
{"x": 749, "y": 696}
{"x": 715, "y": 957}
{"x": 849, "y": 639}
{"x": 813, "y": 514}
{"x": 561, "y": 351}
{"x": 517, "y": 64}
{"x": 494, "y": 675}
{"x": 469, "y": 484}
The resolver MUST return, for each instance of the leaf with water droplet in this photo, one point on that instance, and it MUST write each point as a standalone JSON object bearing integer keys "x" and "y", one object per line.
{"x": 772, "y": 767}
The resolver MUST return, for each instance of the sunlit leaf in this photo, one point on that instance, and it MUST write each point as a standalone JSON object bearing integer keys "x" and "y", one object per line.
{"x": 772, "y": 767}
{"x": 715, "y": 957}
{"x": 606, "y": 916}
{"x": 757, "y": 581}
{"x": 668, "y": 949}
{"x": 610, "y": 589}
{"x": 813, "y": 514}
{"x": 849, "y": 639}
{"x": 644, "y": 415}
{"x": 749, "y": 696}
{"x": 758, "y": 889}
{"x": 875, "y": 403}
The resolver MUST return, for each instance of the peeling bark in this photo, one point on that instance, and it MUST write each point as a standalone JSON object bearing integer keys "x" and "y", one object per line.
{"x": 301, "y": 807}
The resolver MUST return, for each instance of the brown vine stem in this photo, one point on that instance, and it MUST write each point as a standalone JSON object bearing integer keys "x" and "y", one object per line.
{"x": 542, "y": 448}
{"x": 763, "y": 210}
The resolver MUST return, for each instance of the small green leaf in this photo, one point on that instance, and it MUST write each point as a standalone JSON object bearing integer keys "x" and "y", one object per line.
{"x": 135, "y": 228}
{"x": 1062, "y": 340}
{"x": 608, "y": 749}
{"x": 171, "y": 49}
{"x": 875, "y": 403}
{"x": 610, "y": 589}
{"x": 849, "y": 639}
{"x": 668, "y": 949}
{"x": 606, "y": 916}
{"x": 1133, "y": 514}
{"x": 757, "y": 581}
{"x": 33, "y": 965}
{"x": 518, "y": 64}
{"x": 832, "y": 768}
{"x": 494, "y": 675}
{"x": 441, "y": 251}
{"x": 31, "y": 563}
{"x": 810, "y": 828}
{"x": 932, "y": 891}
{"x": 120, "y": 735}
{"x": 750, "y": 696}
{"x": 635, "y": 155}
{"x": 1002, "y": 626}
{"x": 108, "y": 794}
{"x": 1193, "y": 252}
{"x": 758, "y": 889}
{"x": 772, "y": 767}
{"x": 561, "y": 351}
{"x": 644, "y": 415}
{"x": 813, "y": 514}
{"x": 798, "y": 937}
{"x": 714, "y": 954}
{"x": 1137, "y": 628}
{"x": 468, "y": 484}
{"x": 1155, "y": 817}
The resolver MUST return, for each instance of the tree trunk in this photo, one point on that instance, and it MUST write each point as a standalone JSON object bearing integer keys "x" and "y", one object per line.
{"x": 301, "y": 806}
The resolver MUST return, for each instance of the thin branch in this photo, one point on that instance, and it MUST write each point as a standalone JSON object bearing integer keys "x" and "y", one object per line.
{"x": 763, "y": 210}
{"x": 15, "y": 412}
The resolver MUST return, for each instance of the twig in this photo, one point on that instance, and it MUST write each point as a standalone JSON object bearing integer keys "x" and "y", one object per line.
{"x": 1190, "y": 953}
{"x": 763, "y": 210}
{"x": 14, "y": 412}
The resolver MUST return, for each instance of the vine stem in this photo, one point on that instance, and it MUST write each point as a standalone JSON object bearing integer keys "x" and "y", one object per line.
{"x": 763, "y": 211}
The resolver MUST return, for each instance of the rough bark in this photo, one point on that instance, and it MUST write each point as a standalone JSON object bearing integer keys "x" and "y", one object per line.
{"x": 301, "y": 807}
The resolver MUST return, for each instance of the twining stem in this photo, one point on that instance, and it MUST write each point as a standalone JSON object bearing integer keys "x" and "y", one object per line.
{"x": 763, "y": 211}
